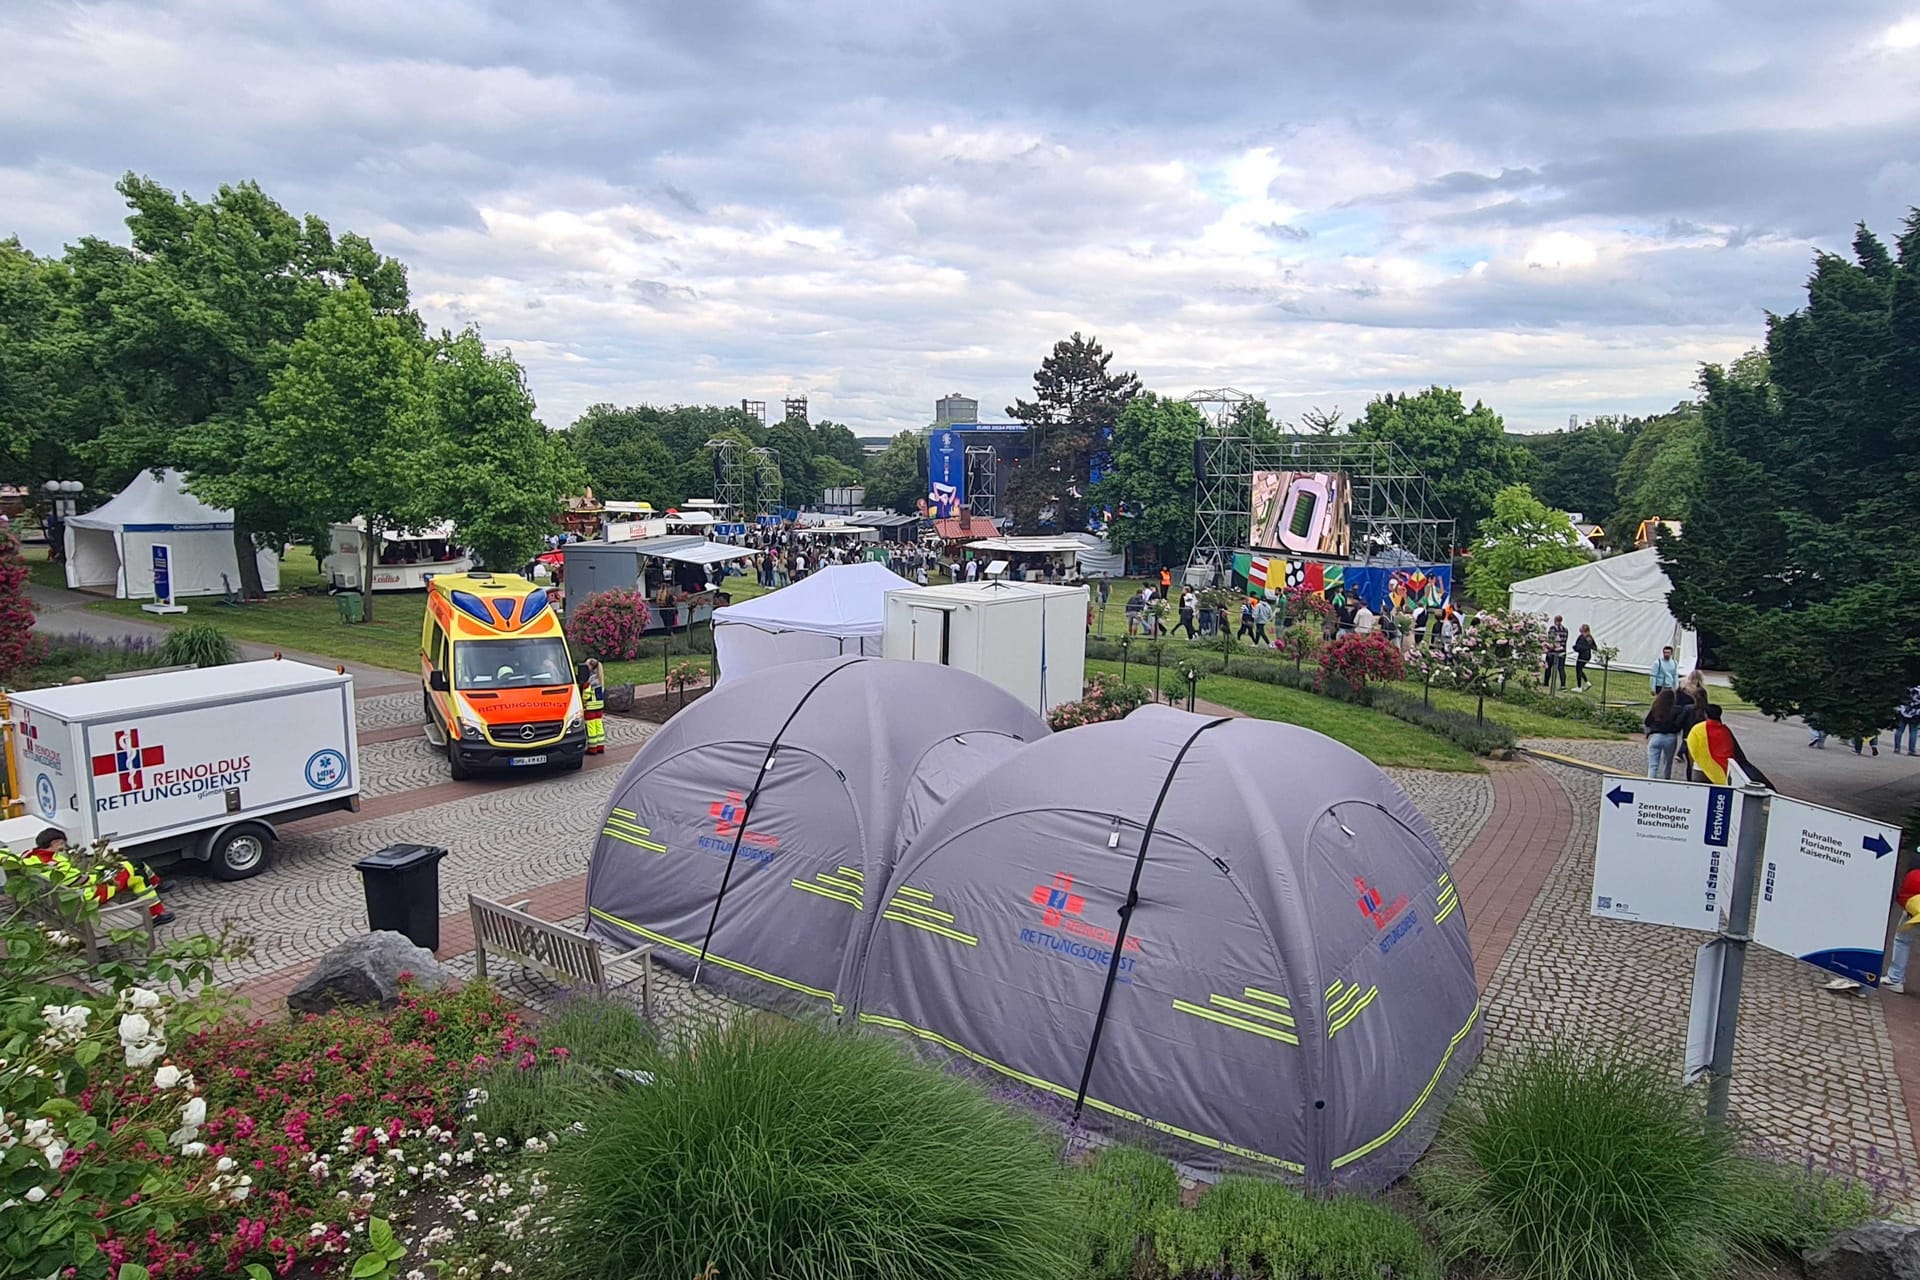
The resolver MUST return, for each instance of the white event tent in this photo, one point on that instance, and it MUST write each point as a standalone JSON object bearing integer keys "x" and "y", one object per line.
{"x": 840, "y": 610}
{"x": 1624, "y": 600}
{"x": 112, "y": 545}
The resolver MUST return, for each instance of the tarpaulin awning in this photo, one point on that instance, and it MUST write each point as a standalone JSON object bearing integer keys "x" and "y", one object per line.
{"x": 1036, "y": 545}
{"x": 689, "y": 550}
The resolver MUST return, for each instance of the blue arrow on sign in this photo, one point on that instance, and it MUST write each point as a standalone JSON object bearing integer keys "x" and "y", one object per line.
{"x": 1877, "y": 845}
{"x": 1619, "y": 796}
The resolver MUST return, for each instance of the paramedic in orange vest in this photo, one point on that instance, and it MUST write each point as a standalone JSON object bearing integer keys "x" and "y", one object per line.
{"x": 108, "y": 881}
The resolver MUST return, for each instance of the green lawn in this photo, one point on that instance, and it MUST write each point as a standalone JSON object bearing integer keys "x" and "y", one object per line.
{"x": 1380, "y": 738}
{"x": 42, "y": 572}
{"x": 1524, "y": 721}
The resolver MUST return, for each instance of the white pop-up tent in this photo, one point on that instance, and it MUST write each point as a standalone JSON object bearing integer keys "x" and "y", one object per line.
{"x": 112, "y": 545}
{"x": 837, "y": 611}
{"x": 1624, "y": 600}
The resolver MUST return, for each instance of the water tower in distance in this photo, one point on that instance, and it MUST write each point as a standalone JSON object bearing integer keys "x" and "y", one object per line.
{"x": 955, "y": 409}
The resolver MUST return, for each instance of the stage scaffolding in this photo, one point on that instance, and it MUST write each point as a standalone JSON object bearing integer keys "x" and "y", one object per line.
{"x": 729, "y": 474}
{"x": 1393, "y": 508}
{"x": 983, "y": 480}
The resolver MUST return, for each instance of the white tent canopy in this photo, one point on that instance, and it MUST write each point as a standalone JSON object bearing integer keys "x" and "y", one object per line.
{"x": 836, "y": 611}
{"x": 1624, "y": 600}
{"x": 112, "y": 545}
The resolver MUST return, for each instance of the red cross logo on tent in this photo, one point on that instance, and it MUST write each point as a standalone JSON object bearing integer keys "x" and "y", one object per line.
{"x": 127, "y": 759}
{"x": 726, "y": 815}
{"x": 1059, "y": 899}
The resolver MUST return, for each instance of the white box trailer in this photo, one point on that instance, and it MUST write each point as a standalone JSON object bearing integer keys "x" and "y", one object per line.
{"x": 1029, "y": 639}
{"x": 199, "y": 764}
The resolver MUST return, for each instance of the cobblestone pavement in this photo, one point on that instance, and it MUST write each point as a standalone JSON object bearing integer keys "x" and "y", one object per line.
{"x": 1813, "y": 1071}
{"x": 387, "y": 768}
{"x": 1457, "y": 804}
{"x": 310, "y": 898}
{"x": 389, "y": 710}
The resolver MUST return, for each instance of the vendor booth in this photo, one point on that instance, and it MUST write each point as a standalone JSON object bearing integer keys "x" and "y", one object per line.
{"x": 406, "y": 561}
{"x": 1039, "y": 559}
{"x": 839, "y": 610}
{"x": 110, "y": 549}
{"x": 673, "y": 572}
{"x": 1624, "y": 600}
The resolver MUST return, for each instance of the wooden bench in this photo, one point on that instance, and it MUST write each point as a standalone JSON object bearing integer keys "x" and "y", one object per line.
{"x": 95, "y": 931}
{"x": 554, "y": 951}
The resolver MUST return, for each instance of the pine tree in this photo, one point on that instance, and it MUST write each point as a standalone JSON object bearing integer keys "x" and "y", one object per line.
{"x": 1077, "y": 399}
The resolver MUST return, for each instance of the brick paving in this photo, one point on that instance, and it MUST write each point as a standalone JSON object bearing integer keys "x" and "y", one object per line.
{"x": 1814, "y": 1073}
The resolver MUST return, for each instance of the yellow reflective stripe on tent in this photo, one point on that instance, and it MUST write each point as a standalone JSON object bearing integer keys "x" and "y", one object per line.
{"x": 850, "y": 873}
{"x": 1271, "y": 1015}
{"x": 1272, "y": 1033}
{"x": 930, "y": 927}
{"x": 911, "y": 892}
{"x": 851, "y": 886}
{"x": 1255, "y": 993}
{"x": 1062, "y": 1091}
{"x": 635, "y": 841}
{"x": 624, "y": 813}
{"x": 688, "y": 949}
{"x": 1352, "y": 1013}
{"x": 898, "y": 905}
{"x": 1421, "y": 1101}
{"x": 626, "y": 824}
{"x": 1330, "y": 990}
{"x": 1447, "y": 902}
{"x": 1336, "y": 1006}
{"x": 824, "y": 892}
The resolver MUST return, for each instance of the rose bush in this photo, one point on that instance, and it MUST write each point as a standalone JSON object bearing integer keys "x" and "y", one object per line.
{"x": 1107, "y": 699}
{"x": 609, "y": 625}
{"x": 1361, "y": 660}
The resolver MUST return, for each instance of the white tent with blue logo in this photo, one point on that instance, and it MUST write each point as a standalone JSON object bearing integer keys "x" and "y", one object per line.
{"x": 111, "y": 547}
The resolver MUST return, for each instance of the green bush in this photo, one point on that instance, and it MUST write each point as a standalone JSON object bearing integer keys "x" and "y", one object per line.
{"x": 198, "y": 644}
{"x": 1786, "y": 1209}
{"x": 1568, "y": 1163}
{"x": 1480, "y": 737}
{"x": 1247, "y": 1227}
{"x": 61, "y": 658}
{"x": 778, "y": 1150}
{"x": 1571, "y": 707}
{"x": 595, "y": 1038}
{"x": 1121, "y": 1196}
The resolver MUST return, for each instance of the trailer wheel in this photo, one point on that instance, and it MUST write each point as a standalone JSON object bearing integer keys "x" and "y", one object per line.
{"x": 239, "y": 852}
{"x": 456, "y": 770}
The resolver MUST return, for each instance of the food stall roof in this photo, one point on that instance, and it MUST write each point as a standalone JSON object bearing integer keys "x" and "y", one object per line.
{"x": 885, "y": 519}
{"x": 807, "y": 531}
{"x": 691, "y": 517}
{"x": 1037, "y": 544}
{"x": 686, "y": 550}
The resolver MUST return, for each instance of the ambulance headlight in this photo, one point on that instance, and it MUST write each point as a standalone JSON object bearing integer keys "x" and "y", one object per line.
{"x": 577, "y": 725}
{"x": 470, "y": 731}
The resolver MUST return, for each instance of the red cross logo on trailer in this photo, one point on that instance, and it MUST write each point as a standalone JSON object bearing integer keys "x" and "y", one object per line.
{"x": 127, "y": 759}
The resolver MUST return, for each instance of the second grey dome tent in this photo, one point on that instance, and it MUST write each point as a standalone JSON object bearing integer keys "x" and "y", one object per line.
{"x": 751, "y": 836}
{"x": 1238, "y": 934}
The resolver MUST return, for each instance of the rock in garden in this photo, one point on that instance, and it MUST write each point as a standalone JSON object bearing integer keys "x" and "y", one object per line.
{"x": 620, "y": 697}
{"x": 1871, "y": 1251}
{"x": 366, "y": 970}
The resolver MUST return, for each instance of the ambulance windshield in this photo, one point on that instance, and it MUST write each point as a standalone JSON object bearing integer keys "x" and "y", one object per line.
{"x": 509, "y": 664}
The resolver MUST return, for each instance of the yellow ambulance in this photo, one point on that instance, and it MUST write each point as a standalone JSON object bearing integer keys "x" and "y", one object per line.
{"x": 498, "y": 678}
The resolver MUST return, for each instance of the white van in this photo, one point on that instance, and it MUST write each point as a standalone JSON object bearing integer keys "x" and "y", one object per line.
{"x": 200, "y": 764}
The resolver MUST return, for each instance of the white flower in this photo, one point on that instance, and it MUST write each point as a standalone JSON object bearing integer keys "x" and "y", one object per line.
{"x": 317, "y": 1230}
{"x": 56, "y": 1152}
{"x": 135, "y": 1029}
{"x": 194, "y": 1114}
{"x": 224, "y": 1164}
{"x": 194, "y": 1149}
{"x": 36, "y": 1194}
{"x": 145, "y": 1055}
{"x": 167, "y": 1077}
{"x": 536, "y": 1146}
{"x": 39, "y": 1131}
{"x": 141, "y": 998}
{"x": 61, "y": 939}
{"x": 471, "y": 1216}
{"x": 416, "y": 1274}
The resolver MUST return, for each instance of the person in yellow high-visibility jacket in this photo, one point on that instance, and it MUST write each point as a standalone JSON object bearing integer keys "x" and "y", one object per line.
{"x": 113, "y": 884}
{"x": 593, "y": 697}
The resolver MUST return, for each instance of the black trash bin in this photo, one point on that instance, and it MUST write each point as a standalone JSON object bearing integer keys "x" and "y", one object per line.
{"x": 403, "y": 891}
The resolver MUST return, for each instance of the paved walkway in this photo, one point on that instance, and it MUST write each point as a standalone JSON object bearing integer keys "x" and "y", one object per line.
{"x": 64, "y": 613}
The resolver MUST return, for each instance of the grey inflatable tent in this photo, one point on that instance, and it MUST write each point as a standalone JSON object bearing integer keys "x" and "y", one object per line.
{"x": 1294, "y": 988}
{"x": 750, "y": 835}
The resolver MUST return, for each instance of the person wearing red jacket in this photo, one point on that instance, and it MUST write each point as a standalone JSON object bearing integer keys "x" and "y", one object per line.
{"x": 1895, "y": 978}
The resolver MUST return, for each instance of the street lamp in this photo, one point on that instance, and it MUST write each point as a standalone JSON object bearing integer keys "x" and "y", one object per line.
{"x": 64, "y": 496}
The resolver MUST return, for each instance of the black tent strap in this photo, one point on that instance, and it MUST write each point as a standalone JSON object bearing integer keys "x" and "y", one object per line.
{"x": 1126, "y": 917}
{"x": 746, "y": 811}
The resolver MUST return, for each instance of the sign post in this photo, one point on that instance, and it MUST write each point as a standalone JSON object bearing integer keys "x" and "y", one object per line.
{"x": 1733, "y": 949}
{"x": 163, "y": 582}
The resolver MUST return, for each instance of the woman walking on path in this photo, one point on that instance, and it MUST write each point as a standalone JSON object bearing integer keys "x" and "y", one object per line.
{"x": 1663, "y": 734}
{"x": 1906, "y": 720}
{"x": 1583, "y": 646}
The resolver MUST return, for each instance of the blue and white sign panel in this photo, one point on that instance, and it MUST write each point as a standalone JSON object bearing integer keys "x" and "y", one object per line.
{"x": 1825, "y": 887}
{"x": 1665, "y": 852}
{"x": 162, "y": 573}
{"x": 946, "y": 473}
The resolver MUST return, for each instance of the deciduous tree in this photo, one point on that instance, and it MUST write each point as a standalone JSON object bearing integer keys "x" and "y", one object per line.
{"x": 1150, "y": 484}
{"x": 1523, "y": 538}
{"x": 1464, "y": 453}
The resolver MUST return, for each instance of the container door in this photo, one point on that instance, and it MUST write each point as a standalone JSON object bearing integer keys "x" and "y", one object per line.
{"x": 928, "y": 627}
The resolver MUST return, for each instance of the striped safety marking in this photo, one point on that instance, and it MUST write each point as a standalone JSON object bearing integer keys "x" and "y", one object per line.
{"x": 1447, "y": 899}
{"x": 621, "y": 825}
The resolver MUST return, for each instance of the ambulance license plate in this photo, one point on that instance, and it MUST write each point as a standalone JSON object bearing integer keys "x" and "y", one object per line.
{"x": 519, "y": 760}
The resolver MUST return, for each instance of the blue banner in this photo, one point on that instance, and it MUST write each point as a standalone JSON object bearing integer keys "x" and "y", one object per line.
{"x": 162, "y": 573}
{"x": 946, "y": 473}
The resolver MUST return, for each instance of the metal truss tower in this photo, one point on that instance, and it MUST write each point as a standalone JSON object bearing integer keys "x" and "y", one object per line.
{"x": 795, "y": 409}
{"x": 983, "y": 480}
{"x": 1223, "y": 478}
{"x": 756, "y": 409}
{"x": 729, "y": 473}
{"x": 766, "y": 483}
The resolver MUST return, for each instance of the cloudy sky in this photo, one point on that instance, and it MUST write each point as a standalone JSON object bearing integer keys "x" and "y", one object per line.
{"x": 1559, "y": 206}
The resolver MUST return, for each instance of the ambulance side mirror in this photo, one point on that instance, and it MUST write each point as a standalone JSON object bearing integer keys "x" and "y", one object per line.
{"x": 437, "y": 681}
